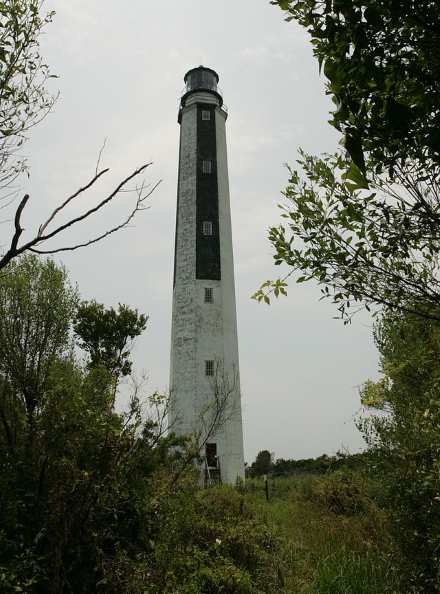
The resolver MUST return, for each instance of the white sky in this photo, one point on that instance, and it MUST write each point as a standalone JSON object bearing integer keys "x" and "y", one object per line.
{"x": 121, "y": 69}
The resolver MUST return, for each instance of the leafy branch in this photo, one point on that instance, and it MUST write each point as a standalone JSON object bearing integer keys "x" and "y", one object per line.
{"x": 367, "y": 247}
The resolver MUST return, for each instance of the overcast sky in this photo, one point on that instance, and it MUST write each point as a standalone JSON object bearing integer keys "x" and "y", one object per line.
{"x": 121, "y": 69}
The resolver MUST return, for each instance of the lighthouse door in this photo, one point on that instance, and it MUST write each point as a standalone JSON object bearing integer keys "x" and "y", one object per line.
{"x": 212, "y": 467}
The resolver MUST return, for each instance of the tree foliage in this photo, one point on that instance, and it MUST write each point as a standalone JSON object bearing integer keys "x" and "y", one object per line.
{"x": 375, "y": 247}
{"x": 107, "y": 335}
{"x": 24, "y": 100}
{"x": 263, "y": 463}
{"x": 383, "y": 69}
{"x": 405, "y": 443}
{"x": 73, "y": 473}
{"x": 315, "y": 466}
{"x": 365, "y": 225}
{"x": 36, "y": 306}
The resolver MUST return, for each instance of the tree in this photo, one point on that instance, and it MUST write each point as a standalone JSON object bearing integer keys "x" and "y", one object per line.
{"x": 262, "y": 464}
{"x": 24, "y": 102}
{"x": 383, "y": 70}
{"x": 404, "y": 443}
{"x": 365, "y": 224}
{"x": 75, "y": 476}
{"x": 36, "y": 305}
{"x": 376, "y": 247}
{"x": 108, "y": 335}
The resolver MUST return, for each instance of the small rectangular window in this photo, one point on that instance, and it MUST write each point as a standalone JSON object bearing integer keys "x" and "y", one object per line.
{"x": 207, "y": 228}
{"x": 206, "y": 114}
{"x": 209, "y": 368}
{"x": 206, "y": 166}
{"x": 209, "y": 295}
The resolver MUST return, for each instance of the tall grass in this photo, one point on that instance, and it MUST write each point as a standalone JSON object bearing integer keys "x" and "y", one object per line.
{"x": 335, "y": 538}
{"x": 316, "y": 535}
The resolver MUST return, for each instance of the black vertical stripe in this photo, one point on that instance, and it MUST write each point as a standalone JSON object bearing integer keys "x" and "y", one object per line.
{"x": 207, "y": 246}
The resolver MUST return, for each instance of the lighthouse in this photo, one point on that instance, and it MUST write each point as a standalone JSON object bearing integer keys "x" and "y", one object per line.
{"x": 205, "y": 399}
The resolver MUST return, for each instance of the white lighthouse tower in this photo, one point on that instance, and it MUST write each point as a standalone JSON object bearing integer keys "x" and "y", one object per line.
{"x": 205, "y": 386}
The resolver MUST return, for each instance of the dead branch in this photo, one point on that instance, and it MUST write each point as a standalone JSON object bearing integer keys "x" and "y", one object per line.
{"x": 66, "y": 202}
{"x": 225, "y": 404}
{"x": 15, "y": 250}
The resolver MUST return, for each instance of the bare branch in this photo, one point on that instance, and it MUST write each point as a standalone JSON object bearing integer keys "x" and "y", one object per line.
{"x": 12, "y": 252}
{"x": 139, "y": 206}
{"x": 225, "y": 403}
{"x": 223, "y": 407}
{"x": 66, "y": 202}
{"x": 99, "y": 156}
{"x": 15, "y": 250}
{"x": 97, "y": 207}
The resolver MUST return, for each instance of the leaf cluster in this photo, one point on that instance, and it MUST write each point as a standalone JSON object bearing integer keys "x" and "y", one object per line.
{"x": 367, "y": 247}
{"x": 24, "y": 100}
{"x": 383, "y": 69}
{"x": 108, "y": 335}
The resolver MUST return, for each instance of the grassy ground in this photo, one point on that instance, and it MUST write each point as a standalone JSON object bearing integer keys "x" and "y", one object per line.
{"x": 323, "y": 534}
{"x": 333, "y": 537}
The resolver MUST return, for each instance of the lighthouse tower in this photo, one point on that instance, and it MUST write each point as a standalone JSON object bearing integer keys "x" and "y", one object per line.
{"x": 205, "y": 386}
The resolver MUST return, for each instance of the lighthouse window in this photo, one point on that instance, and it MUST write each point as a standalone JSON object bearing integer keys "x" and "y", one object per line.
{"x": 207, "y": 228}
{"x": 211, "y": 455}
{"x": 209, "y": 295}
{"x": 209, "y": 367}
{"x": 206, "y": 114}
{"x": 206, "y": 166}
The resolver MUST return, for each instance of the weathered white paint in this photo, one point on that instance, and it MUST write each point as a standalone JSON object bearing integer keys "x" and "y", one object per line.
{"x": 205, "y": 331}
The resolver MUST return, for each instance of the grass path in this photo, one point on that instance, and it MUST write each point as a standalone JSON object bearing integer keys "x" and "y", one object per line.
{"x": 335, "y": 538}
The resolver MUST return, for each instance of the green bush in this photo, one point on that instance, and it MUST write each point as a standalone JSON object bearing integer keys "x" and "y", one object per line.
{"x": 214, "y": 541}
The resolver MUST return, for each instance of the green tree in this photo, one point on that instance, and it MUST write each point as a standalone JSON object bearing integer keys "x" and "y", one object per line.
{"x": 262, "y": 464}
{"x": 36, "y": 305}
{"x": 108, "y": 335}
{"x": 75, "y": 477}
{"x": 404, "y": 444}
{"x": 383, "y": 70}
